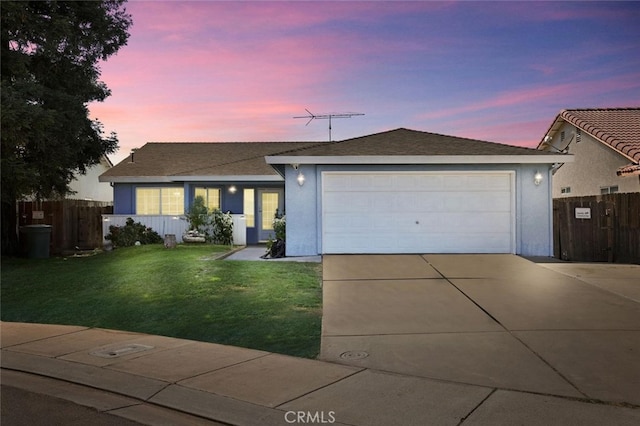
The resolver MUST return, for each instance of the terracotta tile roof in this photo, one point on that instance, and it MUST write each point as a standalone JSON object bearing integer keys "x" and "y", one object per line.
{"x": 412, "y": 142}
{"x": 628, "y": 170}
{"x": 617, "y": 127}
{"x": 157, "y": 159}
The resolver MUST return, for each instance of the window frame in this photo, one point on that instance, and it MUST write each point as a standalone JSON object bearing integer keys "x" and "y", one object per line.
{"x": 163, "y": 207}
{"x": 206, "y": 199}
{"x": 250, "y": 217}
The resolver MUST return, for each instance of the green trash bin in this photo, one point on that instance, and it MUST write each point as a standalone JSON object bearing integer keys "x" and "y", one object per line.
{"x": 38, "y": 238}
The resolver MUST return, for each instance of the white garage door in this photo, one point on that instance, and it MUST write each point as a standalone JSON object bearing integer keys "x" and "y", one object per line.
{"x": 418, "y": 212}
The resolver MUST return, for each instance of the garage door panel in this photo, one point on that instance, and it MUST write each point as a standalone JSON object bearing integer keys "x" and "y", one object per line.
{"x": 416, "y": 212}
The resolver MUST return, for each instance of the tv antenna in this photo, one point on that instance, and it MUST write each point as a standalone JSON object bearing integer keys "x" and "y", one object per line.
{"x": 313, "y": 116}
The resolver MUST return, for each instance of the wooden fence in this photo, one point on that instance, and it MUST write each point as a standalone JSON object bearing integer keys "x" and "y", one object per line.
{"x": 603, "y": 228}
{"x": 76, "y": 224}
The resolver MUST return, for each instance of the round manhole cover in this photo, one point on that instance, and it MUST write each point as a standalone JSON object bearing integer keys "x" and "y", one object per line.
{"x": 352, "y": 355}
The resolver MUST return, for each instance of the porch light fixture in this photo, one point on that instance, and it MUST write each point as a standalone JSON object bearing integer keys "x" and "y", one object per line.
{"x": 232, "y": 189}
{"x": 537, "y": 178}
{"x": 300, "y": 179}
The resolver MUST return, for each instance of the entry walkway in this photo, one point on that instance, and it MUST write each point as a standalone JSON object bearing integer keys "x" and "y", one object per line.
{"x": 256, "y": 253}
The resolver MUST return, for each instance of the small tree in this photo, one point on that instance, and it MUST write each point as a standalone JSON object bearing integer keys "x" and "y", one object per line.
{"x": 198, "y": 215}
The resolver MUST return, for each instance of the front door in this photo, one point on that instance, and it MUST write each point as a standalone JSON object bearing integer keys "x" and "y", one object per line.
{"x": 270, "y": 203}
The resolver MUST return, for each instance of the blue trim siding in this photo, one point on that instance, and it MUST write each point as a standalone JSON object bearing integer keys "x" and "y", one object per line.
{"x": 124, "y": 198}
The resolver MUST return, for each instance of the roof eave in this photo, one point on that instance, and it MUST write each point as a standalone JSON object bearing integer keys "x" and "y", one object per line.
{"x": 205, "y": 178}
{"x": 421, "y": 159}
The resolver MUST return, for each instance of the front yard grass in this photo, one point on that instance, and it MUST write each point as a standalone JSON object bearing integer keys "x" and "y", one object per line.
{"x": 182, "y": 292}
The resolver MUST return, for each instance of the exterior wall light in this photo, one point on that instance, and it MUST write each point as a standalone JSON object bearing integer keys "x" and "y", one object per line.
{"x": 232, "y": 189}
{"x": 300, "y": 179}
{"x": 537, "y": 178}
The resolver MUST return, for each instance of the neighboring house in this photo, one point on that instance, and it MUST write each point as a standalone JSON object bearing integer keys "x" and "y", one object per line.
{"x": 606, "y": 146}
{"x": 87, "y": 186}
{"x": 401, "y": 191}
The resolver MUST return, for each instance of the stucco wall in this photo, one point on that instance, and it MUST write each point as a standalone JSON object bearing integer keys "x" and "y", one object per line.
{"x": 302, "y": 207}
{"x": 594, "y": 167}
{"x": 533, "y": 205}
{"x": 87, "y": 186}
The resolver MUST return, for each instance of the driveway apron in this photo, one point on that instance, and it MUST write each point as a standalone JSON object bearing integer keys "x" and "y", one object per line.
{"x": 491, "y": 320}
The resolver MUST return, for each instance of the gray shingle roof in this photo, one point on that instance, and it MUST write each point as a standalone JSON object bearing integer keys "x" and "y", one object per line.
{"x": 411, "y": 142}
{"x": 173, "y": 159}
{"x": 201, "y": 159}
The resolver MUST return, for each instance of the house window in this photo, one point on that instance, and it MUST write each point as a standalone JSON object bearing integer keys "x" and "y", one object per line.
{"x": 565, "y": 190}
{"x": 211, "y": 197}
{"x": 609, "y": 189}
{"x": 249, "y": 207}
{"x": 167, "y": 201}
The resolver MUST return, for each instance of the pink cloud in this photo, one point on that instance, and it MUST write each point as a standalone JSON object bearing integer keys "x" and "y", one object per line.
{"x": 215, "y": 71}
{"x": 563, "y": 93}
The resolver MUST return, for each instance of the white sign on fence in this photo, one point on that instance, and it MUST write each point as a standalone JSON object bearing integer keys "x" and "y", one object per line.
{"x": 583, "y": 213}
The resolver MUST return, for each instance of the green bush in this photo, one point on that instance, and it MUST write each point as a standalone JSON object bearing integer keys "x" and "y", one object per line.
{"x": 216, "y": 226}
{"x": 280, "y": 228}
{"x": 221, "y": 227}
{"x": 127, "y": 235}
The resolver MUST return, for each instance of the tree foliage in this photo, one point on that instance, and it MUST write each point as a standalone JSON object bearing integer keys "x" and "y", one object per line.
{"x": 51, "y": 51}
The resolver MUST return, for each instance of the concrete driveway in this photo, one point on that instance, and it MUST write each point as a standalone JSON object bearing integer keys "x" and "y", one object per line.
{"x": 490, "y": 320}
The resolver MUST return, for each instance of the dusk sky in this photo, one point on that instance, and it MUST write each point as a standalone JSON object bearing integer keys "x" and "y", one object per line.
{"x": 207, "y": 71}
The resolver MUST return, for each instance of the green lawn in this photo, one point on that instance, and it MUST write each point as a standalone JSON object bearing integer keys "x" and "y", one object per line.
{"x": 184, "y": 292}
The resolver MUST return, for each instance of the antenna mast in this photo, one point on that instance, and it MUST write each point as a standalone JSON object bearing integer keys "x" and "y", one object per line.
{"x": 313, "y": 116}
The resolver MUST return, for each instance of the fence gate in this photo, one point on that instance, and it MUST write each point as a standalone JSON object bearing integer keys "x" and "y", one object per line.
{"x": 76, "y": 224}
{"x": 604, "y": 228}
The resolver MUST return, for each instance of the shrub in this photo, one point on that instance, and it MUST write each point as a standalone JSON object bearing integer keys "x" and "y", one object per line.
{"x": 280, "y": 227}
{"x": 275, "y": 248}
{"x": 216, "y": 226}
{"x": 221, "y": 227}
{"x": 127, "y": 235}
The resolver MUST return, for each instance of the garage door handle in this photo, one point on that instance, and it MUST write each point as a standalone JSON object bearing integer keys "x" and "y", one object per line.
{"x": 417, "y": 222}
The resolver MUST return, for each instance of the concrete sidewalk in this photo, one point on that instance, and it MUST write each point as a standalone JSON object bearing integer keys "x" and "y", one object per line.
{"x": 156, "y": 380}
